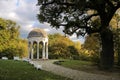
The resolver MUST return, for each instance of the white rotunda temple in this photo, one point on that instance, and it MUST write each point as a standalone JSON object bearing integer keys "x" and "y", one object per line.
{"x": 37, "y": 36}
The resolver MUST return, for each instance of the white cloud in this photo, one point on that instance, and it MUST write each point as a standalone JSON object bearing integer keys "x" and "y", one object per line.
{"x": 12, "y": 14}
{"x": 73, "y": 36}
{"x": 27, "y": 28}
{"x": 47, "y": 24}
{"x": 47, "y": 30}
{"x": 24, "y": 12}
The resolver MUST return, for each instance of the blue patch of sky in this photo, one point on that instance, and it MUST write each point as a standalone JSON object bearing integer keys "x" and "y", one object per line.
{"x": 23, "y": 35}
{"x": 29, "y": 1}
{"x": 17, "y": 2}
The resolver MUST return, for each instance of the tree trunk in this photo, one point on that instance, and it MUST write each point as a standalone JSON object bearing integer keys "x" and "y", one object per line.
{"x": 119, "y": 57}
{"x": 118, "y": 45}
{"x": 107, "y": 54}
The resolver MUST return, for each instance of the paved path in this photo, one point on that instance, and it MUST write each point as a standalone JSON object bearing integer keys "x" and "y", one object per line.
{"x": 70, "y": 73}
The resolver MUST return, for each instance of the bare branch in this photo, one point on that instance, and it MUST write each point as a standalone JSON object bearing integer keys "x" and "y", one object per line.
{"x": 67, "y": 4}
{"x": 59, "y": 3}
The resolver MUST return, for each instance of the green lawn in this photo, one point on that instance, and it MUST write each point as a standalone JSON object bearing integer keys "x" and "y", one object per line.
{"x": 76, "y": 64}
{"x": 87, "y": 67}
{"x": 18, "y": 70}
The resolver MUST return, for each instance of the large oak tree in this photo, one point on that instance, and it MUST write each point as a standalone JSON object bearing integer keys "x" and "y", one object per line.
{"x": 78, "y": 16}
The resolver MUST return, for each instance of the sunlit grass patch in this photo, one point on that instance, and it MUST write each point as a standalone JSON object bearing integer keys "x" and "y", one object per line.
{"x": 18, "y": 70}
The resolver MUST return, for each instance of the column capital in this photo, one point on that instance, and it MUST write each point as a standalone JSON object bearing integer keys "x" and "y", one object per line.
{"x": 46, "y": 43}
{"x": 38, "y": 42}
{"x": 43, "y": 41}
{"x": 31, "y": 42}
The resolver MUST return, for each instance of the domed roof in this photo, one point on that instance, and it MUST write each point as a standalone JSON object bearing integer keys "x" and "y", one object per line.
{"x": 37, "y": 33}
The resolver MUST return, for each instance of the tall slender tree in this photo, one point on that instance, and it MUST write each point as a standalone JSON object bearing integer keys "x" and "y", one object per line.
{"x": 77, "y": 17}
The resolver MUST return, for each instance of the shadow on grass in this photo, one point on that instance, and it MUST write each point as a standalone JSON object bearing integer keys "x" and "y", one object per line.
{"x": 88, "y": 67}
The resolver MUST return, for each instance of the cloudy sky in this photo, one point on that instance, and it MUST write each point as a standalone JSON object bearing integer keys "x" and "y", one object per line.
{"x": 24, "y": 12}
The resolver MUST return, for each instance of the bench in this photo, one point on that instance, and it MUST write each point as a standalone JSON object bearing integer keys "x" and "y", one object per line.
{"x": 38, "y": 66}
{"x": 4, "y": 58}
{"x": 26, "y": 59}
{"x": 16, "y": 58}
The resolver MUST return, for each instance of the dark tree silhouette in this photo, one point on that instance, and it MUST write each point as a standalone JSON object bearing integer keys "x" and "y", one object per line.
{"x": 77, "y": 16}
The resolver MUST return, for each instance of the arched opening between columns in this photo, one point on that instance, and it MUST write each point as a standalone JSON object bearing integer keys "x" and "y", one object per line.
{"x": 30, "y": 50}
{"x": 35, "y": 50}
{"x": 38, "y": 50}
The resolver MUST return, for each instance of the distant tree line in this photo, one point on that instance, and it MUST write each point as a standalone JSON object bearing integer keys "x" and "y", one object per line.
{"x": 62, "y": 47}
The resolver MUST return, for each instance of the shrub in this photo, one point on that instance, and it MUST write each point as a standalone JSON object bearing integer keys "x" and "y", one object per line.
{"x": 75, "y": 57}
{"x": 95, "y": 58}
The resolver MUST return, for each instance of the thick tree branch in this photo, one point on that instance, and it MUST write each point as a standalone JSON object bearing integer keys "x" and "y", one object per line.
{"x": 67, "y": 4}
{"x": 53, "y": 1}
{"x": 89, "y": 17}
{"x": 89, "y": 30}
{"x": 75, "y": 25}
{"x": 118, "y": 5}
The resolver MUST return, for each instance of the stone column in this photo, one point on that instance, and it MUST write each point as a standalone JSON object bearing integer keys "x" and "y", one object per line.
{"x": 47, "y": 50}
{"x": 43, "y": 51}
{"x": 38, "y": 50}
{"x": 31, "y": 50}
{"x": 28, "y": 50}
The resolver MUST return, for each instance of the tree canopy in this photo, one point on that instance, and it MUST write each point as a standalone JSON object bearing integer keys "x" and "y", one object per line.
{"x": 62, "y": 47}
{"x": 77, "y": 15}
{"x": 81, "y": 17}
{"x": 10, "y": 43}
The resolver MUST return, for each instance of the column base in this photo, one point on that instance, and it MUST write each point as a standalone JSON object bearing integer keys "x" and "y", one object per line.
{"x": 44, "y": 59}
